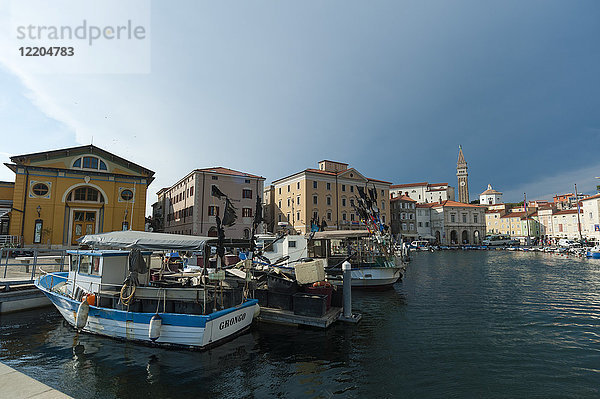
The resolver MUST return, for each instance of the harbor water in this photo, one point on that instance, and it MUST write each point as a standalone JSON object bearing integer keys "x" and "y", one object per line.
{"x": 462, "y": 324}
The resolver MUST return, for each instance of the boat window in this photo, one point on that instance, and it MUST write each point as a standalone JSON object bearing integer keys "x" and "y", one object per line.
{"x": 337, "y": 247}
{"x": 74, "y": 262}
{"x": 317, "y": 249}
{"x": 291, "y": 244}
{"x": 96, "y": 265}
{"x": 85, "y": 265}
{"x": 267, "y": 247}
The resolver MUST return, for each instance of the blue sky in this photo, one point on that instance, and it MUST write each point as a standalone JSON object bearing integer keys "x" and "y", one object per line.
{"x": 390, "y": 87}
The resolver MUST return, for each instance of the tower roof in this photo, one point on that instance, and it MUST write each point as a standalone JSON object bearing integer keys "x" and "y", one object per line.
{"x": 461, "y": 157}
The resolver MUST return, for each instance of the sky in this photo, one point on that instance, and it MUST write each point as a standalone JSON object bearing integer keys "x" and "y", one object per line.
{"x": 390, "y": 87}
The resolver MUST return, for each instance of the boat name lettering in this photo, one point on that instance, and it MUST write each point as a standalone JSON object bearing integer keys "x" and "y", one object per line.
{"x": 232, "y": 321}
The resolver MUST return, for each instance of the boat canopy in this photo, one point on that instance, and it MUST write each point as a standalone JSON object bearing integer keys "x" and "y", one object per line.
{"x": 329, "y": 234}
{"x": 145, "y": 240}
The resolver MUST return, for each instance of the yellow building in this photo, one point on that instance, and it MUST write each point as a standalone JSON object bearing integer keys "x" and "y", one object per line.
{"x": 327, "y": 193}
{"x": 61, "y": 195}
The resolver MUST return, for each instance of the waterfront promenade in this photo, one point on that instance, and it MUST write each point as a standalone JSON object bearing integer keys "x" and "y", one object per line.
{"x": 16, "y": 385}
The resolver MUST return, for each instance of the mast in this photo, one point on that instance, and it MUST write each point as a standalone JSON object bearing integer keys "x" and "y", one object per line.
{"x": 578, "y": 220}
{"x": 526, "y": 216}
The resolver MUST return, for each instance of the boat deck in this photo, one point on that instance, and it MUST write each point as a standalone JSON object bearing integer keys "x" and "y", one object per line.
{"x": 271, "y": 315}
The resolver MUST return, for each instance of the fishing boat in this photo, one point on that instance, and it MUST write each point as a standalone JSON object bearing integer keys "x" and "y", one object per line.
{"x": 593, "y": 252}
{"x": 369, "y": 267}
{"x": 115, "y": 292}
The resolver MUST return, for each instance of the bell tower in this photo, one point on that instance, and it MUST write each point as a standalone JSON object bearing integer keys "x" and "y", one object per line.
{"x": 463, "y": 177}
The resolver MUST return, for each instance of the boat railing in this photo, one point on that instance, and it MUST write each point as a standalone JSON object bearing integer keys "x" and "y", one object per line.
{"x": 21, "y": 266}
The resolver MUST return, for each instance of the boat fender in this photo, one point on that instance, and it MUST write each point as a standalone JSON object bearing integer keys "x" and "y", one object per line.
{"x": 256, "y": 311}
{"x": 82, "y": 314}
{"x": 154, "y": 328}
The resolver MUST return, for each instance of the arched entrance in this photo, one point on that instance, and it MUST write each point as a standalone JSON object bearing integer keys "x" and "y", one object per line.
{"x": 438, "y": 237}
{"x": 85, "y": 205}
{"x": 453, "y": 237}
{"x": 246, "y": 234}
{"x": 465, "y": 237}
{"x": 476, "y": 237}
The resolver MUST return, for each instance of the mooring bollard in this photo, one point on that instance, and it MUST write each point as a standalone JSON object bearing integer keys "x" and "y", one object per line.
{"x": 347, "y": 289}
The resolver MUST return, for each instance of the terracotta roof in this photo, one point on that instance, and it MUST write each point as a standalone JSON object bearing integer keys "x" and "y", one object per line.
{"x": 494, "y": 210}
{"x": 409, "y": 185}
{"x": 436, "y": 189}
{"x": 514, "y": 215}
{"x": 455, "y": 203}
{"x": 438, "y": 184}
{"x": 488, "y": 192}
{"x": 324, "y": 172}
{"x": 225, "y": 171}
{"x": 380, "y": 181}
{"x": 591, "y": 197}
{"x": 403, "y": 198}
{"x": 566, "y": 212}
{"x": 427, "y": 205}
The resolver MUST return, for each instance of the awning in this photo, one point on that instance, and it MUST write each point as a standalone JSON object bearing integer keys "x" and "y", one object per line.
{"x": 4, "y": 211}
{"x": 144, "y": 240}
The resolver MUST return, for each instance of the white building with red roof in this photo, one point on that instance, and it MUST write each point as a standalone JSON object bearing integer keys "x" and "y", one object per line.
{"x": 424, "y": 192}
{"x": 490, "y": 196}
{"x": 590, "y": 217}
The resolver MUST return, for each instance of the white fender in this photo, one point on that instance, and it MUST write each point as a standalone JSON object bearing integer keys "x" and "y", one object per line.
{"x": 256, "y": 311}
{"x": 154, "y": 328}
{"x": 82, "y": 314}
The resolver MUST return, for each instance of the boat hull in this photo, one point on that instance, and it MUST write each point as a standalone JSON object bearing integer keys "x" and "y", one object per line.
{"x": 593, "y": 255}
{"x": 188, "y": 330}
{"x": 370, "y": 277}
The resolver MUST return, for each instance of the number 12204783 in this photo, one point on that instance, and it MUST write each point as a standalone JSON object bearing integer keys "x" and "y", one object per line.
{"x": 46, "y": 51}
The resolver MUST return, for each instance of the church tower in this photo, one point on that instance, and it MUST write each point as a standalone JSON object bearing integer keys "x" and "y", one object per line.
{"x": 463, "y": 176}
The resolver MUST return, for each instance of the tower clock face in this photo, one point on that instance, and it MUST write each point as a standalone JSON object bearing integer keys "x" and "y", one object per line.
{"x": 462, "y": 183}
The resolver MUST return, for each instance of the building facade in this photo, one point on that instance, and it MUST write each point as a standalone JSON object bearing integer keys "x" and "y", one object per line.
{"x": 327, "y": 194}
{"x": 566, "y": 224}
{"x": 6, "y": 198}
{"x": 455, "y": 223}
{"x": 463, "y": 177}
{"x": 404, "y": 217}
{"x": 190, "y": 208}
{"x": 423, "y": 214}
{"x": 590, "y": 217}
{"x": 490, "y": 196}
{"x": 61, "y": 195}
{"x": 424, "y": 192}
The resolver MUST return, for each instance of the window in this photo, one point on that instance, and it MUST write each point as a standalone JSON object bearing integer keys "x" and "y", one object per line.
{"x": 40, "y": 189}
{"x": 383, "y": 192}
{"x": 315, "y": 200}
{"x": 246, "y": 193}
{"x": 328, "y": 200}
{"x": 351, "y": 189}
{"x": 298, "y": 216}
{"x": 411, "y": 226}
{"x": 298, "y": 185}
{"x": 403, "y": 226}
{"x": 475, "y": 218}
{"x": 453, "y": 218}
{"x": 291, "y": 244}
{"x": 279, "y": 190}
{"x": 85, "y": 194}
{"x": 343, "y": 187}
{"x": 298, "y": 200}
{"x": 344, "y": 216}
{"x": 343, "y": 201}
{"x": 247, "y": 181}
{"x": 352, "y": 217}
{"x": 213, "y": 210}
{"x": 288, "y": 188}
{"x": 403, "y": 215}
{"x": 191, "y": 191}
{"x": 411, "y": 216}
{"x": 279, "y": 204}
{"x": 89, "y": 162}
{"x": 288, "y": 201}
{"x": 247, "y": 212}
{"x": 420, "y": 224}
{"x": 464, "y": 218}
{"x": 127, "y": 195}
{"x": 315, "y": 215}
{"x": 328, "y": 215}
{"x": 215, "y": 177}
{"x": 351, "y": 202}
{"x": 279, "y": 218}
{"x": 382, "y": 205}
{"x": 315, "y": 184}
{"x": 328, "y": 186}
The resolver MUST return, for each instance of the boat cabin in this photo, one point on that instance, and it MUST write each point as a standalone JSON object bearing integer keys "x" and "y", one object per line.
{"x": 97, "y": 270}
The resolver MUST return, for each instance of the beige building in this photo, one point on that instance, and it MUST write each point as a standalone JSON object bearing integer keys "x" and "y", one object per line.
{"x": 327, "y": 193}
{"x": 188, "y": 207}
{"x": 454, "y": 222}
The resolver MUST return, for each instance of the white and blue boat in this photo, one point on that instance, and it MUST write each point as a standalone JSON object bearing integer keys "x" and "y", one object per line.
{"x": 194, "y": 310}
{"x": 593, "y": 252}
